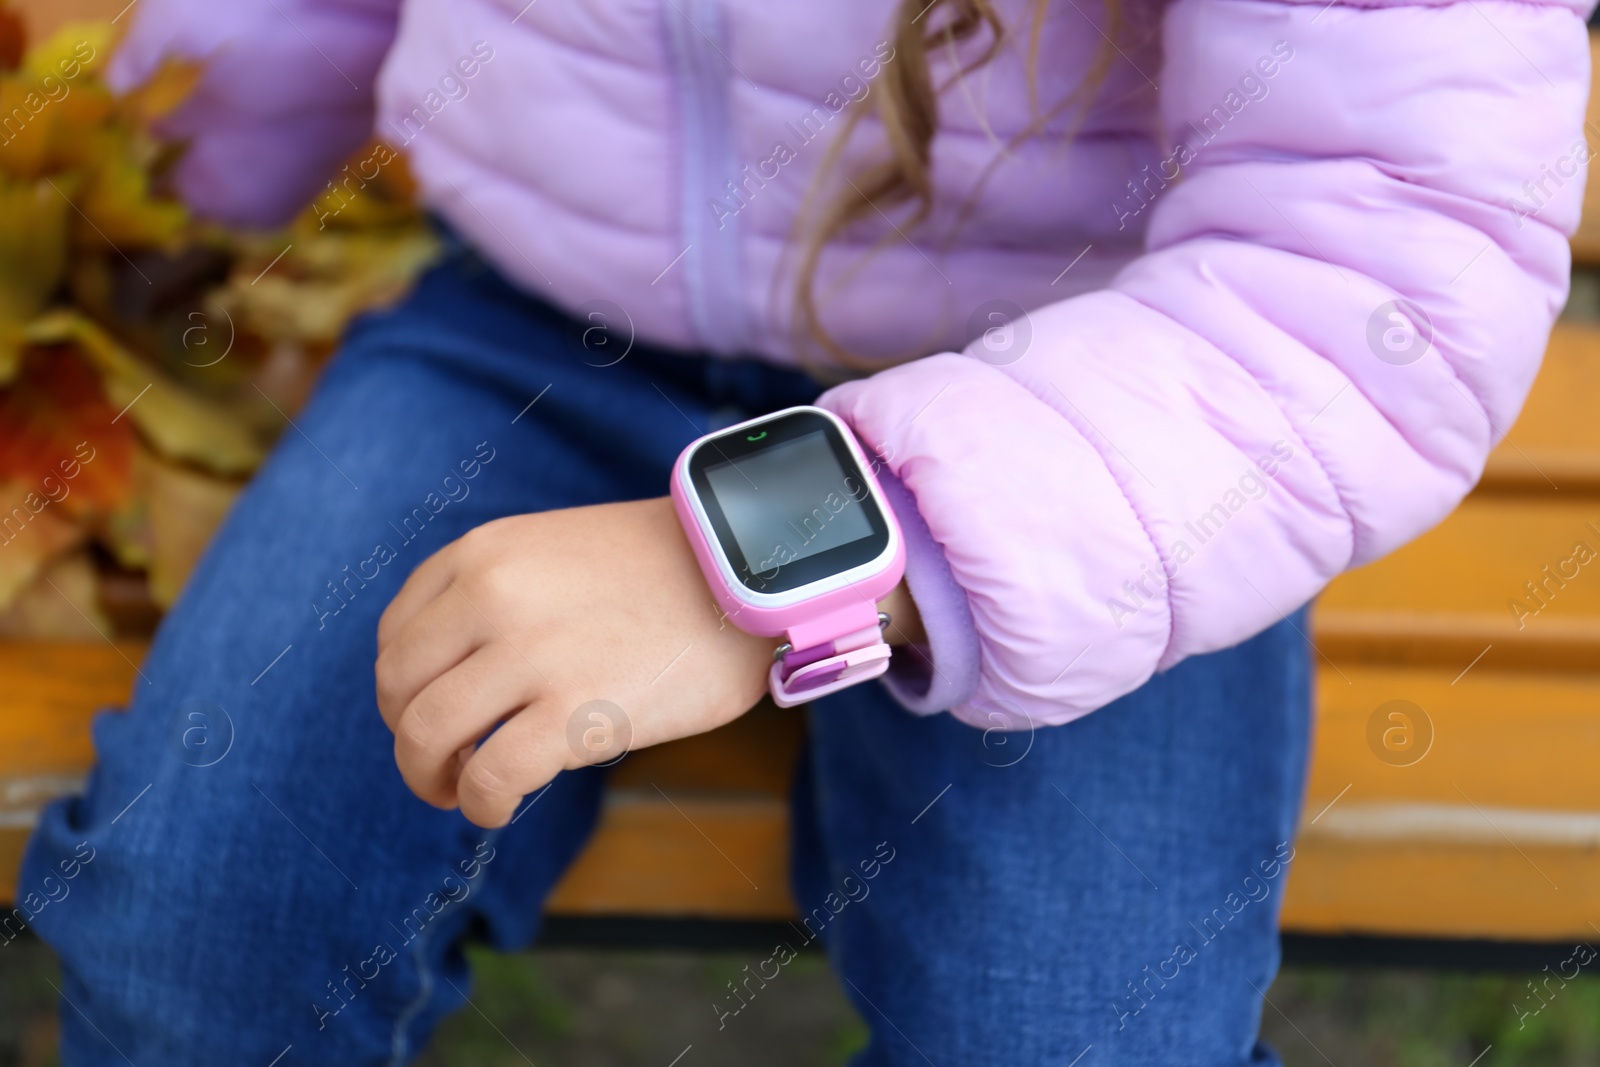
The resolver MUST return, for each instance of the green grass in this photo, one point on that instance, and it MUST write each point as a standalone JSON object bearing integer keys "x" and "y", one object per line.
{"x": 619, "y": 1009}
{"x": 1421, "y": 1019}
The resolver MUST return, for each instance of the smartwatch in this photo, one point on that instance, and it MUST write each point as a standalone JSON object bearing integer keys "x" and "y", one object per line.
{"x": 796, "y": 540}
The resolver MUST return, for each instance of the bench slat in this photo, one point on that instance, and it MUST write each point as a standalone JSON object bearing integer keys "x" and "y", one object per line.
{"x": 703, "y": 846}
{"x": 1508, "y": 739}
{"x": 1448, "y": 595}
{"x": 705, "y": 857}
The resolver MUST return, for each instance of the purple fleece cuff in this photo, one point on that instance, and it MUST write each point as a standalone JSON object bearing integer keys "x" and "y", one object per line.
{"x": 943, "y": 673}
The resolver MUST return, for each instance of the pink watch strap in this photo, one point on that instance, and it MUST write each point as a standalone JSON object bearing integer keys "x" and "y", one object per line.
{"x": 804, "y": 674}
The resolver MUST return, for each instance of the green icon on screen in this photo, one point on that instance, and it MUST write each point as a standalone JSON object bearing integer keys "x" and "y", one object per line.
{"x": 755, "y": 436}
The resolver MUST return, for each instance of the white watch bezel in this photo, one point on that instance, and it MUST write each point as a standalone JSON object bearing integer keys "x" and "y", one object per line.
{"x": 811, "y": 590}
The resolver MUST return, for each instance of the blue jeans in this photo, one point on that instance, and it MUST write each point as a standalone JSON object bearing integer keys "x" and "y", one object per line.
{"x": 261, "y": 883}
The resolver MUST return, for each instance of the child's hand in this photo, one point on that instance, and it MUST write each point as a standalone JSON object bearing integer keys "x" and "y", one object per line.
{"x": 552, "y": 624}
{"x": 525, "y": 620}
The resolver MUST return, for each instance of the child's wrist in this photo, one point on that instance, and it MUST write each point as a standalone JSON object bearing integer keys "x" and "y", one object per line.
{"x": 905, "y": 622}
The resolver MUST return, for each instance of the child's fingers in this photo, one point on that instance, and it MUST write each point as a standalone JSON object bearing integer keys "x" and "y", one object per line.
{"x": 523, "y": 755}
{"x": 438, "y": 637}
{"x": 453, "y": 712}
{"x": 424, "y": 586}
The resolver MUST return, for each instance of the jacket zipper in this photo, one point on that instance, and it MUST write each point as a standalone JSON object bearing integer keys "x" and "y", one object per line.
{"x": 696, "y": 39}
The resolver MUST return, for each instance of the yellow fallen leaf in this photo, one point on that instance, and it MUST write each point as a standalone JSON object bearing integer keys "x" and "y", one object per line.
{"x": 178, "y": 424}
{"x": 125, "y": 531}
{"x": 27, "y": 126}
{"x": 53, "y": 101}
{"x": 75, "y": 52}
{"x": 33, "y": 257}
{"x": 324, "y": 281}
{"x": 186, "y": 507}
{"x": 79, "y": 136}
{"x": 119, "y": 209}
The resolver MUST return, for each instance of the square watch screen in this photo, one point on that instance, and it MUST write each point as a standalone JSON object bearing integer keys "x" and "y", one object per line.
{"x": 788, "y": 502}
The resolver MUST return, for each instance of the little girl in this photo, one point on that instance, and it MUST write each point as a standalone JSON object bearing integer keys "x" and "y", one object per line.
{"x": 1151, "y": 318}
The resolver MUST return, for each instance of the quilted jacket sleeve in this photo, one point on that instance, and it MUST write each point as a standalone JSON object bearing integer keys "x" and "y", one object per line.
{"x": 287, "y": 94}
{"x": 1344, "y": 299}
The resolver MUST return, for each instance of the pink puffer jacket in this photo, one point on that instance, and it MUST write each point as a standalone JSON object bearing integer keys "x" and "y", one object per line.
{"x": 1279, "y": 309}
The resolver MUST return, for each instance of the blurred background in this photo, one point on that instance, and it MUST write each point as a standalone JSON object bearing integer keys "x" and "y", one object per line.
{"x": 1448, "y": 869}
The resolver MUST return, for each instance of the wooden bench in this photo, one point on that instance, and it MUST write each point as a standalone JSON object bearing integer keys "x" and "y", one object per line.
{"x": 1493, "y": 833}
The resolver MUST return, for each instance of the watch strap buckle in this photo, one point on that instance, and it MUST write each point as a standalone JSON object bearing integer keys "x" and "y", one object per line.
{"x": 824, "y": 676}
{"x": 801, "y": 675}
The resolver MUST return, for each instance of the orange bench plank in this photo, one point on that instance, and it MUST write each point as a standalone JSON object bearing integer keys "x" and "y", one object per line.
{"x": 697, "y": 827}
{"x": 1500, "y": 739}
{"x": 1417, "y": 888}
{"x": 1445, "y": 597}
{"x": 711, "y": 841}
{"x": 1555, "y": 444}
{"x": 730, "y": 787}
{"x": 52, "y": 689}
{"x": 723, "y": 857}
